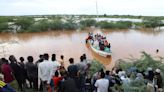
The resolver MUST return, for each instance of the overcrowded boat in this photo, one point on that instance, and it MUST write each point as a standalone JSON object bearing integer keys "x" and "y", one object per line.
{"x": 99, "y": 44}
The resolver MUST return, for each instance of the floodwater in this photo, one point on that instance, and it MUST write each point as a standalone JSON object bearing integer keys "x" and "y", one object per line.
{"x": 118, "y": 19}
{"x": 124, "y": 44}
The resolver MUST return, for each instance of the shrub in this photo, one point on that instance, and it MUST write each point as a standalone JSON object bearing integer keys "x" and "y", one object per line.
{"x": 152, "y": 22}
{"x": 95, "y": 67}
{"x": 24, "y": 22}
{"x": 3, "y": 27}
{"x": 42, "y": 25}
{"x": 142, "y": 64}
{"x": 87, "y": 23}
{"x": 115, "y": 25}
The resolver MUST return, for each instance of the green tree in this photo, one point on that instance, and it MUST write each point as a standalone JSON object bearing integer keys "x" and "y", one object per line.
{"x": 4, "y": 23}
{"x": 151, "y": 22}
{"x": 24, "y": 22}
{"x": 42, "y": 25}
{"x": 3, "y": 27}
{"x": 70, "y": 24}
{"x": 56, "y": 24}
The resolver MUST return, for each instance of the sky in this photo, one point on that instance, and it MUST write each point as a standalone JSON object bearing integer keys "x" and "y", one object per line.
{"x": 88, "y": 7}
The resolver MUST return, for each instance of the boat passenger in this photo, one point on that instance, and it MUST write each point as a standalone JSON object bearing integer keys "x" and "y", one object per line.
{"x": 109, "y": 45}
{"x": 96, "y": 43}
{"x": 106, "y": 43}
{"x": 102, "y": 47}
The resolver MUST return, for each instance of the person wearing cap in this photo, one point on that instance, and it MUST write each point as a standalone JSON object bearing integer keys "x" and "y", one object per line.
{"x": 158, "y": 80}
{"x": 150, "y": 74}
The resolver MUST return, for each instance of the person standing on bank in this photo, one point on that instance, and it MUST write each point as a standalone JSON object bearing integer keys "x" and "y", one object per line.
{"x": 32, "y": 73}
{"x": 102, "y": 84}
{"x": 18, "y": 73}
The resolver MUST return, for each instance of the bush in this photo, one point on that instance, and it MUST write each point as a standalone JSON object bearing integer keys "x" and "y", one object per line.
{"x": 115, "y": 25}
{"x": 152, "y": 22}
{"x": 95, "y": 67}
{"x": 87, "y": 23}
{"x": 24, "y": 22}
{"x": 42, "y": 25}
{"x": 142, "y": 64}
{"x": 134, "y": 89}
{"x": 56, "y": 24}
{"x": 69, "y": 26}
{"x": 3, "y": 27}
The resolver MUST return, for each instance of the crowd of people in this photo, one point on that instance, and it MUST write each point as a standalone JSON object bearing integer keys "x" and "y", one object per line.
{"x": 99, "y": 41}
{"x": 51, "y": 75}
{"x": 47, "y": 75}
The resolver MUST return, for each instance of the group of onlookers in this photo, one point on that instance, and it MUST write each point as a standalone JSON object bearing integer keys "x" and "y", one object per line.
{"x": 45, "y": 74}
{"x": 13, "y": 70}
{"x": 50, "y": 75}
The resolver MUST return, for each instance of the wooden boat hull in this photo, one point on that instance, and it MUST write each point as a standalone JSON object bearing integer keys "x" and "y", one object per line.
{"x": 101, "y": 53}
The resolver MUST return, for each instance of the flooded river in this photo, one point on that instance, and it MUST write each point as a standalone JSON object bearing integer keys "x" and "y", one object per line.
{"x": 124, "y": 43}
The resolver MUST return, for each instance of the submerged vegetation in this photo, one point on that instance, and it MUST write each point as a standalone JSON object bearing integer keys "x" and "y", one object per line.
{"x": 72, "y": 22}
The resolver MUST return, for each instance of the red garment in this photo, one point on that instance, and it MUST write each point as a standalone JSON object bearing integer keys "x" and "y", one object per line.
{"x": 7, "y": 72}
{"x": 56, "y": 80}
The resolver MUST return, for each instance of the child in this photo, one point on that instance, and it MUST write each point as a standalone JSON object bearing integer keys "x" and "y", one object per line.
{"x": 56, "y": 80}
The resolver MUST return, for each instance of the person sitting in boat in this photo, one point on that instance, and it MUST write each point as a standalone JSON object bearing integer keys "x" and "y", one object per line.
{"x": 109, "y": 45}
{"x": 96, "y": 43}
{"x": 90, "y": 37}
{"x": 102, "y": 47}
{"x": 102, "y": 41}
{"x": 106, "y": 43}
{"x": 102, "y": 37}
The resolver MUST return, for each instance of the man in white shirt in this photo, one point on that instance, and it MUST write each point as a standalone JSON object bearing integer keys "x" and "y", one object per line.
{"x": 46, "y": 70}
{"x": 102, "y": 84}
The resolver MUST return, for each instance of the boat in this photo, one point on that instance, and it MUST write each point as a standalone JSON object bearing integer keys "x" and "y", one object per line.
{"x": 98, "y": 51}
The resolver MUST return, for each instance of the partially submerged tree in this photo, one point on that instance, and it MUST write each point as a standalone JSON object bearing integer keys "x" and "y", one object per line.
{"x": 152, "y": 22}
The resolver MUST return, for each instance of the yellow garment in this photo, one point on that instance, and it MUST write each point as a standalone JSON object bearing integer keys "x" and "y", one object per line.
{"x": 62, "y": 63}
{"x": 2, "y": 84}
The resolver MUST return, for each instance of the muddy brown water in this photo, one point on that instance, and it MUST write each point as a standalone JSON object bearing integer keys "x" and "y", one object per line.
{"x": 124, "y": 43}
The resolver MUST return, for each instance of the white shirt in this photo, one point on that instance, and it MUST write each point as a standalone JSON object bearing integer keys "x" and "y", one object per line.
{"x": 96, "y": 43}
{"x": 102, "y": 85}
{"x": 125, "y": 80}
{"x": 47, "y": 69}
{"x": 54, "y": 66}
